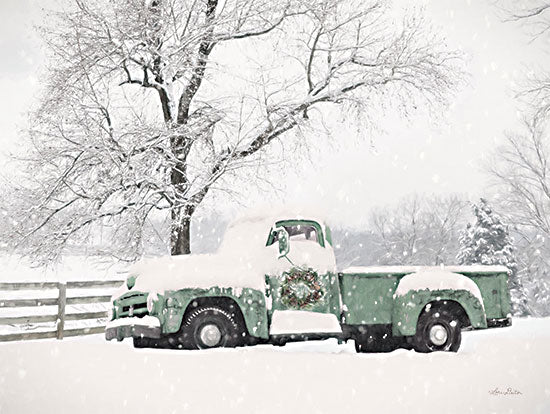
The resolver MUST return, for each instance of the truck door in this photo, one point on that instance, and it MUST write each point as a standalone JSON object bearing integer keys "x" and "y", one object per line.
{"x": 305, "y": 293}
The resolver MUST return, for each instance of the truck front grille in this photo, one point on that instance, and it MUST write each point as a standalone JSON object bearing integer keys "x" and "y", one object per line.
{"x": 132, "y": 305}
{"x": 138, "y": 308}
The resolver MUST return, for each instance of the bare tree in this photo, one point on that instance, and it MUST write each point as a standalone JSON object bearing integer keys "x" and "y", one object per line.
{"x": 519, "y": 167}
{"x": 521, "y": 173}
{"x": 419, "y": 230}
{"x": 145, "y": 111}
{"x": 534, "y": 15}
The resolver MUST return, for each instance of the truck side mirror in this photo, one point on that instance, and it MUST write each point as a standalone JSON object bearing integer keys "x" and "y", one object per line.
{"x": 282, "y": 237}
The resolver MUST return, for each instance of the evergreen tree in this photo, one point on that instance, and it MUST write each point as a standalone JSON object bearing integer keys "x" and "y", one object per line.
{"x": 488, "y": 242}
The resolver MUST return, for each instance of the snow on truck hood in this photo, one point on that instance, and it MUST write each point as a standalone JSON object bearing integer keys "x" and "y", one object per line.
{"x": 242, "y": 261}
{"x": 195, "y": 271}
{"x": 244, "y": 270}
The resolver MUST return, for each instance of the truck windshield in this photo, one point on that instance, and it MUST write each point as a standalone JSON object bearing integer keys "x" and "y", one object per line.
{"x": 301, "y": 232}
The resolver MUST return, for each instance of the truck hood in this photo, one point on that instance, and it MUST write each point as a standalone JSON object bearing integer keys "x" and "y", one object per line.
{"x": 245, "y": 269}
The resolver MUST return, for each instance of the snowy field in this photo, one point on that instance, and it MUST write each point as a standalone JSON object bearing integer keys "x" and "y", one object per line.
{"x": 496, "y": 371}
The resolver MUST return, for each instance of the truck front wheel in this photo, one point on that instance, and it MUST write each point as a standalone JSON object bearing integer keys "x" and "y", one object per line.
{"x": 438, "y": 329}
{"x": 142, "y": 342}
{"x": 210, "y": 327}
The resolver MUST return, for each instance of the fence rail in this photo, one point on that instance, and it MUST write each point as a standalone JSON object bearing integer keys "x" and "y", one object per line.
{"x": 60, "y": 301}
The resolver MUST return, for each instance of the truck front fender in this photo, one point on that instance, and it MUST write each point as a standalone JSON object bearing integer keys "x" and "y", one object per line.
{"x": 251, "y": 302}
{"x": 407, "y": 308}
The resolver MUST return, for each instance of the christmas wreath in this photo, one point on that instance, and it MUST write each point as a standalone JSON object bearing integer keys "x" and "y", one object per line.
{"x": 300, "y": 289}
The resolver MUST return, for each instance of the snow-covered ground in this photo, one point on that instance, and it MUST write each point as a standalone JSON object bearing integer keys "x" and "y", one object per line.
{"x": 496, "y": 371}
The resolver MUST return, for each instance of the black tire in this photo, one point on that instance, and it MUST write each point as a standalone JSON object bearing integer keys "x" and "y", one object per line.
{"x": 210, "y": 327}
{"x": 438, "y": 329}
{"x": 278, "y": 341}
{"x": 141, "y": 343}
{"x": 161, "y": 343}
{"x": 370, "y": 342}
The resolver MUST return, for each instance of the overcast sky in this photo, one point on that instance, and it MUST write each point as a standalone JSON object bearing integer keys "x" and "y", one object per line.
{"x": 432, "y": 153}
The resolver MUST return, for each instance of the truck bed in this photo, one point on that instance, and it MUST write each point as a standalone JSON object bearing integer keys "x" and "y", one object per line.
{"x": 368, "y": 291}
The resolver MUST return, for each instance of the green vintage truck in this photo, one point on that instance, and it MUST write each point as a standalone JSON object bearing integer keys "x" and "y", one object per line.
{"x": 274, "y": 280}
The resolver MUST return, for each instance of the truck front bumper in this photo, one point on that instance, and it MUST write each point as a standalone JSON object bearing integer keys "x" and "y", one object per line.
{"x": 146, "y": 327}
{"x": 499, "y": 322}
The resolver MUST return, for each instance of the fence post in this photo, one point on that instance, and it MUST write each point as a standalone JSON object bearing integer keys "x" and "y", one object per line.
{"x": 61, "y": 309}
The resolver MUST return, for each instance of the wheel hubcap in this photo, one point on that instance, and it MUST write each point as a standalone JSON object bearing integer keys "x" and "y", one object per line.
{"x": 438, "y": 335}
{"x": 210, "y": 335}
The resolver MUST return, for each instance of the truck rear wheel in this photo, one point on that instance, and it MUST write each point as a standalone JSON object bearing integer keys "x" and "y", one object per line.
{"x": 438, "y": 329}
{"x": 210, "y": 327}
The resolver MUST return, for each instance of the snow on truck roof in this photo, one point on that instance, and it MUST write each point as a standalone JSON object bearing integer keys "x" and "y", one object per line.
{"x": 376, "y": 270}
{"x": 251, "y": 230}
{"x": 258, "y": 216}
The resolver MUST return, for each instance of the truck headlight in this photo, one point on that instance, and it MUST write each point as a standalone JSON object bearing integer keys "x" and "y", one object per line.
{"x": 171, "y": 303}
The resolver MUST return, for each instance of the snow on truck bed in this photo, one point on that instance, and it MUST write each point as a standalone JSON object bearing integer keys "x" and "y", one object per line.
{"x": 495, "y": 371}
{"x": 437, "y": 280}
{"x": 403, "y": 270}
{"x": 431, "y": 277}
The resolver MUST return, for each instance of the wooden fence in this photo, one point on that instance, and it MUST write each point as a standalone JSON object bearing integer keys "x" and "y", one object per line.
{"x": 61, "y": 301}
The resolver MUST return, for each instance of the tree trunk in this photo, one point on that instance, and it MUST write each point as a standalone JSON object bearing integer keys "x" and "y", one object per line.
{"x": 180, "y": 241}
{"x": 180, "y": 236}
